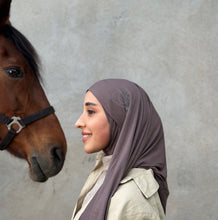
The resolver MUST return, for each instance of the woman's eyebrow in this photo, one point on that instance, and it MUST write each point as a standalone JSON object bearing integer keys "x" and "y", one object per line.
{"x": 90, "y": 103}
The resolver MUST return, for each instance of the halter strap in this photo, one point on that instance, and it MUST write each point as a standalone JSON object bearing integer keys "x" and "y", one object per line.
{"x": 21, "y": 123}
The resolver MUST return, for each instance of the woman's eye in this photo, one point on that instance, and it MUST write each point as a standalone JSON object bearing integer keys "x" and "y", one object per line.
{"x": 90, "y": 112}
{"x": 14, "y": 72}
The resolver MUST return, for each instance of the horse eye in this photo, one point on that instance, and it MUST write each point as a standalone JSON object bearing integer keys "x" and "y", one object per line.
{"x": 14, "y": 72}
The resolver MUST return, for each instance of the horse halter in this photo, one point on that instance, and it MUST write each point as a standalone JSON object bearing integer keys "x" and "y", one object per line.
{"x": 21, "y": 123}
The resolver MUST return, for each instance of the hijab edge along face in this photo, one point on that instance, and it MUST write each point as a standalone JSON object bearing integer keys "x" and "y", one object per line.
{"x": 94, "y": 125}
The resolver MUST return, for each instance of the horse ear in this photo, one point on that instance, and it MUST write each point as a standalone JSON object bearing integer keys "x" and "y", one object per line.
{"x": 4, "y": 12}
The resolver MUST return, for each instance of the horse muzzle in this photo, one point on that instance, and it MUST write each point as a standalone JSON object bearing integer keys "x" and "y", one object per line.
{"x": 44, "y": 166}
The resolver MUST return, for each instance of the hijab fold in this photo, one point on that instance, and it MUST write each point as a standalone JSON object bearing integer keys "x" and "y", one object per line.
{"x": 137, "y": 141}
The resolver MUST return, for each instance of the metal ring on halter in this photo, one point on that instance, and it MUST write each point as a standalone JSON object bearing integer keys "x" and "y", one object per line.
{"x": 15, "y": 122}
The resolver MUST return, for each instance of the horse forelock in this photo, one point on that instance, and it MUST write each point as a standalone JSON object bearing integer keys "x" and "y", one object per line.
{"x": 23, "y": 45}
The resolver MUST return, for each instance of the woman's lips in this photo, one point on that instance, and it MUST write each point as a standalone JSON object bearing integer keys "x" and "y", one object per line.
{"x": 86, "y": 136}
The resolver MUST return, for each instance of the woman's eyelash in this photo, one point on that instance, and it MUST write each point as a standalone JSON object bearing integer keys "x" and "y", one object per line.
{"x": 90, "y": 112}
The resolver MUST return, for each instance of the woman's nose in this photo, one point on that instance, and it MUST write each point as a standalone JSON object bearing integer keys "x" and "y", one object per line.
{"x": 79, "y": 123}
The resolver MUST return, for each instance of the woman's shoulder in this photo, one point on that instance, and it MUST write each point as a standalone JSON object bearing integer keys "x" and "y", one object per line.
{"x": 143, "y": 179}
{"x": 137, "y": 185}
{"x": 137, "y": 197}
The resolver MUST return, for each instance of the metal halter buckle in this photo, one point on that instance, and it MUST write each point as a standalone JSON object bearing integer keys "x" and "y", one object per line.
{"x": 15, "y": 122}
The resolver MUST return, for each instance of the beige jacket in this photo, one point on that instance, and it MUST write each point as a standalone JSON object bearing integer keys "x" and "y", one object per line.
{"x": 135, "y": 199}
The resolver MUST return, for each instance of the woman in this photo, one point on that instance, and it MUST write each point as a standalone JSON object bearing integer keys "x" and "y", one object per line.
{"x": 129, "y": 179}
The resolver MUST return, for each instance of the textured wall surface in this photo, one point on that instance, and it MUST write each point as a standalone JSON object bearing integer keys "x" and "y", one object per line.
{"x": 170, "y": 48}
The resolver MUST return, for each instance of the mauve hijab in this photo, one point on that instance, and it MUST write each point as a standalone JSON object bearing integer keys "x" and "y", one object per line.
{"x": 137, "y": 141}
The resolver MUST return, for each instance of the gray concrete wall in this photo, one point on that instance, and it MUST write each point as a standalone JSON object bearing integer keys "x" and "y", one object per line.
{"x": 170, "y": 48}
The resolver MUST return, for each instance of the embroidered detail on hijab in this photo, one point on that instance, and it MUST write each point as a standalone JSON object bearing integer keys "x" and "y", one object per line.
{"x": 123, "y": 99}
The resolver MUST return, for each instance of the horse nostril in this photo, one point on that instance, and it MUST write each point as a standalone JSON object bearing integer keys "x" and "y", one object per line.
{"x": 57, "y": 155}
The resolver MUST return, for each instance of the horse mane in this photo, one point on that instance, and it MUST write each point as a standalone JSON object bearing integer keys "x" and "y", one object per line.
{"x": 24, "y": 47}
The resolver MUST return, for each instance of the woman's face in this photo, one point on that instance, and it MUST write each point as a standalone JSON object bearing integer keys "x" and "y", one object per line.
{"x": 94, "y": 124}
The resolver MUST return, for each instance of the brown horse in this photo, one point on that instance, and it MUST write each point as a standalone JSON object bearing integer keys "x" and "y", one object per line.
{"x": 28, "y": 127}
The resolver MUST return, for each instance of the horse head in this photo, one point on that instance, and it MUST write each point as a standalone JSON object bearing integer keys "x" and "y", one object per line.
{"x": 41, "y": 142}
